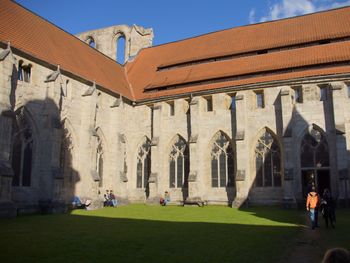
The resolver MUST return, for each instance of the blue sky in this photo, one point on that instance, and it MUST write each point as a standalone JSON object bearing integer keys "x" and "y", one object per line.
{"x": 171, "y": 20}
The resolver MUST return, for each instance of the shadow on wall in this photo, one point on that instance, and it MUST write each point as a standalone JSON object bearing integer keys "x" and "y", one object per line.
{"x": 42, "y": 158}
{"x": 300, "y": 155}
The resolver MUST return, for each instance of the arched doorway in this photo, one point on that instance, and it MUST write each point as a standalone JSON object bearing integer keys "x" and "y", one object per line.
{"x": 314, "y": 161}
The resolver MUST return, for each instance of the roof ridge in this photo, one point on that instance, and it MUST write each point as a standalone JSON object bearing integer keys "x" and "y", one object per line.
{"x": 250, "y": 25}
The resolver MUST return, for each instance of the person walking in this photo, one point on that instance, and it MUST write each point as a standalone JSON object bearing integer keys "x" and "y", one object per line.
{"x": 328, "y": 208}
{"x": 312, "y": 203}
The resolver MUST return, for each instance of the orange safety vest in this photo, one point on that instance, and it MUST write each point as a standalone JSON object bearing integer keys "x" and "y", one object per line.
{"x": 312, "y": 200}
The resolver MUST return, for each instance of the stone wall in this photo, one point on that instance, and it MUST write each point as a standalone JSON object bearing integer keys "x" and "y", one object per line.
{"x": 61, "y": 108}
{"x": 106, "y": 40}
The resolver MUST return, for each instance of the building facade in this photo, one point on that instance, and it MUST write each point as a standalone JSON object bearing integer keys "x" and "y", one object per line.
{"x": 244, "y": 121}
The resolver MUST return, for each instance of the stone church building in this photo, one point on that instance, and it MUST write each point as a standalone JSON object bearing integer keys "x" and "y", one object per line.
{"x": 254, "y": 114}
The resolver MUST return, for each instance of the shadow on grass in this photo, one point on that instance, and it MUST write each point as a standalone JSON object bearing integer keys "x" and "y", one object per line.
{"x": 90, "y": 238}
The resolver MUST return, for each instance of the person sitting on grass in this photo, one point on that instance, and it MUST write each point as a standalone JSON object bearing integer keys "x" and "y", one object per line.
{"x": 76, "y": 203}
{"x": 112, "y": 199}
{"x": 107, "y": 201}
{"x": 166, "y": 198}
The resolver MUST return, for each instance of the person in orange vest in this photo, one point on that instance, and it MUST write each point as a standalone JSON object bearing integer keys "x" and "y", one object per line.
{"x": 312, "y": 203}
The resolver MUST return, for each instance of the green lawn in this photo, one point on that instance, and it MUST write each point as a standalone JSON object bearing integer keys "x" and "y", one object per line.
{"x": 139, "y": 233}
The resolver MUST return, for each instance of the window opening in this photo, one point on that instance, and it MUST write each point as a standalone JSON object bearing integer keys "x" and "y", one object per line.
{"x": 178, "y": 164}
{"x": 121, "y": 49}
{"x": 22, "y": 151}
{"x": 267, "y": 162}
{"x": 260, "y": 103}
{"x": 209, "y": 101}
{"x": 171, "y": 108}
{"x": 143, "y": 169}
{"x": 298, "y": 94}
{"x": 222, "y": 163}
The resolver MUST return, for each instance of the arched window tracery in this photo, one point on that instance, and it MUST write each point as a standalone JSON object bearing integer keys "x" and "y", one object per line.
{"x": 222, "y": 162}
{"x": 267, "y": 161}
{"x": 314, "y": 150}
{"x": 22, "y": 150}
{"x": 178, "y": 164}
{"x": 143, "y": 167}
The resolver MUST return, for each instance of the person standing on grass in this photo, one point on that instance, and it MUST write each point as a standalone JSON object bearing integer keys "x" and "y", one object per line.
{"x": 328, "y": 208}
{"x": 312, "y": 206}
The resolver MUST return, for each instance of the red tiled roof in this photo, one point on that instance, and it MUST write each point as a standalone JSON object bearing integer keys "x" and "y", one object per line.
{"x": 41, "y": 39}
{"x": 335, "y": 24}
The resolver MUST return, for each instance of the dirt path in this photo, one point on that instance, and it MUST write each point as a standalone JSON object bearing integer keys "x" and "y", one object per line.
{"x": 306, "y": 247}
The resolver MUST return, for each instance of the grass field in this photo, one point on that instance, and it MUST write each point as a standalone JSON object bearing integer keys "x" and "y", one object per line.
{"x": 139, "y": 233}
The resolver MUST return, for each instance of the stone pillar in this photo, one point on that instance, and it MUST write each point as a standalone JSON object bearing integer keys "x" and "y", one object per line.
{"x": 156, "y": 160}
{"x": 87, "y": 153}
{"x": 242, "y": 182}
{"x": 7, "y": 66}
{"x": 52, "y": 108}
{"x": 340, "y": 183}
{"x": 289, "y": 164}
{"x": 194, "y": 193}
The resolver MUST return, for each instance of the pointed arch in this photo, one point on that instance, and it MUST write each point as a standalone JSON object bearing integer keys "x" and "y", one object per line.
{"x": 268, "y": 159}
{"x": 314, "y": 160}
{"x": 143, "y": 163}
{"x": 23, "y": 148}
{"x": 314, "y": 149}
{"x": 100, "y": 151}
{"x": 222, "y": 161}
{"x": 68, "y": 143}
{"x": 178, "y": 162}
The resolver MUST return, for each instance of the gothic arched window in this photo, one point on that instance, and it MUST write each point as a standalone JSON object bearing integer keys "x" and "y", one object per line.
{"x": 99, "y": 161}
{"x": 222, "y": 164}
{"x": 66, "y": 158}
{"x": 267, "y": 161}
{"x": 178, "y": 164}
{"x": 314, "y": 150}
{"x": 143, "y": 164}
{"x": 22, "y": 151}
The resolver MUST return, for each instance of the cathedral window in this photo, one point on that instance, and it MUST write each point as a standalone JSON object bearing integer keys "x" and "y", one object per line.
{"x": 314, "y": 150}
{"x": 348, "y": 89}
{"x": 178, "y": 164}
{"x": 222, "y": 163}
{"x": 143, "y": 168}
{"x": 260, "y": 103}
{"x": 22, "y": 151}
{"x": 267, "y": 161}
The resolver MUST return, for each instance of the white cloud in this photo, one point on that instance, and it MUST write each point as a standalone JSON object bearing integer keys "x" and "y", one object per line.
{"x": 252, "y": 16}
{"x": 289, "y": 8}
